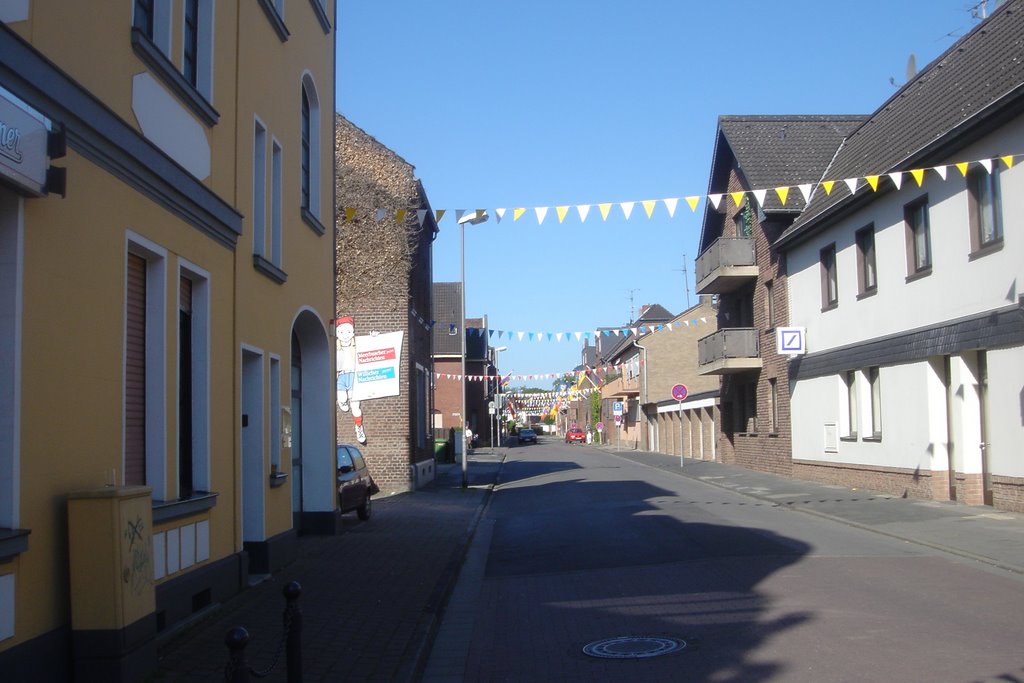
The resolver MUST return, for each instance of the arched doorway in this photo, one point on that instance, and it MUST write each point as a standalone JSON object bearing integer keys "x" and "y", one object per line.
{"x": 312, "y": 426}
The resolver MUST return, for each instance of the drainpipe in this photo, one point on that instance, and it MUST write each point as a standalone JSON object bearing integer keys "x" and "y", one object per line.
{"x": 643, "y": 363}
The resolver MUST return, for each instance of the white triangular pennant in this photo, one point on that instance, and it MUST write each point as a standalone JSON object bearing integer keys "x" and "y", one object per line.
{"x": 420, "y": 215}
{"x": 806, "y": 190}
{"x": 897, "y": 179}
{"x": 541, "y": 211}
{"x": 941, "y": 170}
{"x": 715, "y": 200}
{"x": 380, "y": 214}
{"x": 671, "y": 204}
{"x": 987, "y": 163}
{"x": 759, "y": 195}
{"x": 627, "y": 208}
{"x": 852, "y": 184}
{"x": 499, "y": 214}
{"x": 583, "y": 210}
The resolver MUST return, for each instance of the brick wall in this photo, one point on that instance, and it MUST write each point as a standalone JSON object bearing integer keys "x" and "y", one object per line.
{"x": 383, "y": 281}
{"x": 761, "y": 448}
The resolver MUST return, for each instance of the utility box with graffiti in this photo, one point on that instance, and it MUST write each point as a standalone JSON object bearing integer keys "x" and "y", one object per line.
{"x": 113, "y": 601}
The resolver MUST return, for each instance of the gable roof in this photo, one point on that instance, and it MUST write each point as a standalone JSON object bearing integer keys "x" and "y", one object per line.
{"x": 951, "y": 102}
{"x": 773, "y": 151}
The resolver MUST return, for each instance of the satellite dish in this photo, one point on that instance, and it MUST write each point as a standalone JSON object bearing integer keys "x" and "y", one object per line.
{"x": 911, "y": 66}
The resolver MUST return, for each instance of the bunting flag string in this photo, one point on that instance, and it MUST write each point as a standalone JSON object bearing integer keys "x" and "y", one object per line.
{"x": 600, "y": 373}
{"x": 873, "y": 181}
{"x": 519, "y": 335}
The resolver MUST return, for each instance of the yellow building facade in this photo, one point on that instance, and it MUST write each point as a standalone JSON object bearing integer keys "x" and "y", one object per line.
{"x": 166, "y": 290}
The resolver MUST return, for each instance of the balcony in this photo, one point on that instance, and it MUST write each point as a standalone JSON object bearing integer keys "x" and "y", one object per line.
{"x": 622, "y": 387}
{"x": 726, "y": 265}
{"x": 729, "y": 351}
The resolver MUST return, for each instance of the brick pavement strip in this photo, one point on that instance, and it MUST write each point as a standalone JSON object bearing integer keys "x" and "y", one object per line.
{"x": 371, "y": 596}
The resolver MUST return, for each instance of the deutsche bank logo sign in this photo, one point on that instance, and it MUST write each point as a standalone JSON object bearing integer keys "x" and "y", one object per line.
{"x": 791, "y": 340}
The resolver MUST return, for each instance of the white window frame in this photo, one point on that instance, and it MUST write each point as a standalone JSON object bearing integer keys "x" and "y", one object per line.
{"x": 201, "y": 476}
{"x": 873, "y": 375}
{"x": 259, "y": 187}
{"x": 850, "y": 422}
{"x": 156, "y": 362}
{"x": 161, "y": 24}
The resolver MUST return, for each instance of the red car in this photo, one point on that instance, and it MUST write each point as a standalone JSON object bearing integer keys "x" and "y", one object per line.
{"x": 575, "y": 435}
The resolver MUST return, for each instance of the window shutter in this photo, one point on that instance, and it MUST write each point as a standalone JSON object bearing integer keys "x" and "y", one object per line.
{"x": 135, "y": 373}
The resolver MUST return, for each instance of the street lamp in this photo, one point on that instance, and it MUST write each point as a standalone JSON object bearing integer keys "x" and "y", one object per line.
{"x": 497, "y": 403}
{"x": 472, "y": 218}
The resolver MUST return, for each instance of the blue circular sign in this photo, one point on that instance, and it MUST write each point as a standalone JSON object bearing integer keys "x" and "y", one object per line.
{"x": 679, "y": 392}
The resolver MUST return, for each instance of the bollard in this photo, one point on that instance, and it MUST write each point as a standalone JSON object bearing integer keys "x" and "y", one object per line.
{"x": 237, "y": 669}
{"x": 293, "y": 631}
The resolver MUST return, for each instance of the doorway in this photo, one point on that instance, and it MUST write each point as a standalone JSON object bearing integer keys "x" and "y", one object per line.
{"x": 252, "y": 446}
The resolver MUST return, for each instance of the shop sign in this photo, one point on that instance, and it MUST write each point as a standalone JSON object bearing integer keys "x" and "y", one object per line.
{"x": 23, "y": 137}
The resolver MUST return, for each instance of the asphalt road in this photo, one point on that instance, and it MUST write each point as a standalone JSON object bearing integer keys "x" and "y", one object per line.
{"x": 578, "y": 546}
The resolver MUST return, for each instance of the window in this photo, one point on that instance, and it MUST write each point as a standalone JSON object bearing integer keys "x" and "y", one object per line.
{"x": 143, "y": 19}
{"x": 190, "y": 57}
{"x": 193, "y": 380}
{"x": 874, "y": 379}
{"x": 773, "y": 405}
{"x": 743, "y": 221}
{"x": 275, "y": 414}
{"x": 144, "y": 381}
{"x": 867, "y": 278}
{"x": 852, "y": 406}
{"x": 919, "y": 247}
{"x": 275, "y": 204}
{"x": 11, "y": 268}
{"x": 744, "y": 406}
{"x": 829, "y": 279}
{"x": 769, "y": 303}
{"x": 310, "y": 145}
{"x": 259, "y": 189}
{"x": 985, "y": 205}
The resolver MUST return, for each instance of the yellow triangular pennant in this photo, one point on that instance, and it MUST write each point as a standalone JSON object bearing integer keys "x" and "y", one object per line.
{"x": 400, "y": 216}
{"x": 962, "y": 167}
{"x": 737, "y": 197}
{"x": 517, "y": 214}
{"x": 440, "y": 214}
{"x": 783, "y": 193}
{"x": 693, "y": 201}
{"x": 872, "y": 181}
{"x": 350, "y": 213}
{"x": 827, "y": 184}
{"x": 1008, "y": 160}
{"x": 605, "y": 208}
{"x": 649, "y": 206}
{"x": 918, "y": 174}
{"x": 561, "y": 211}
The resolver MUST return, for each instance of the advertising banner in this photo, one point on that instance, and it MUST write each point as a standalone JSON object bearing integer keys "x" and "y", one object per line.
{"x": 377, "y": 365}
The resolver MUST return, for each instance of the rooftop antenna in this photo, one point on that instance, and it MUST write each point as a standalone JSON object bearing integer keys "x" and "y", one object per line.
{"x": 631, "y": 303}
{"x": 686, "y": 281}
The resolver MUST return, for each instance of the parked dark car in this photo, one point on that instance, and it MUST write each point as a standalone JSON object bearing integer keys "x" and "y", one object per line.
{"x": 355, "y": 485}
{"x": 575, "y": 435}
{"x": 527, "y": 435}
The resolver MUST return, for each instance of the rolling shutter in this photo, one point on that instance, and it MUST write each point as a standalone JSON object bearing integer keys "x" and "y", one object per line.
{"x": 135, "y": 373}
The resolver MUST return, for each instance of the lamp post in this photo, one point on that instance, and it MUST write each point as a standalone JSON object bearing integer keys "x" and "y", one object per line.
{"x": 497, "y": 403}
{"x": 472, "y": 218}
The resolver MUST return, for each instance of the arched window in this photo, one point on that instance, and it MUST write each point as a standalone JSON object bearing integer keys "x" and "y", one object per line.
{"x": 310, "y": 149}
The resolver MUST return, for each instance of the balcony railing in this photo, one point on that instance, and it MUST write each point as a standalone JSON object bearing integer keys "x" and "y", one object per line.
{"x": 726, "y": 265}
{"x": 732, "y": 350}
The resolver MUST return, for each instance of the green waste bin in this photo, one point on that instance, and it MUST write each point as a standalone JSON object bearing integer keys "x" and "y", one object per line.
{"x": 440, "y": 449}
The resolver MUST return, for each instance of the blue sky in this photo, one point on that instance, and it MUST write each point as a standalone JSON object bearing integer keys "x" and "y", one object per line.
{"x": 565, "y": 102}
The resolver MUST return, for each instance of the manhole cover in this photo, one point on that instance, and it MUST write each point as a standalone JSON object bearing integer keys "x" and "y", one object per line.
{"x": 633, "y": 647}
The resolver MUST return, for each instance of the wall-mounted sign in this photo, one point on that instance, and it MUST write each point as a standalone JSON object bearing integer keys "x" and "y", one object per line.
{"x": 23, "y": 138}
{"x": 791, "y": 340}
{"x": 617, "y": 408}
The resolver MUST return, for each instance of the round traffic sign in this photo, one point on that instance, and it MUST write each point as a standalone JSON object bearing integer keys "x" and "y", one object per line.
{"x": 600, "y": 426}
{"x": 618, "y": 420}
{"x": 679, "y": 392}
